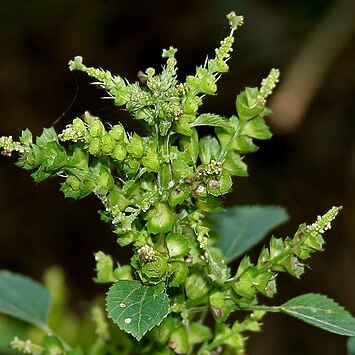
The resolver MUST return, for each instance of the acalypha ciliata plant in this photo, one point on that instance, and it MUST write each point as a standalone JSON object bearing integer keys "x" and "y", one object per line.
{"x": 161, "y": 193}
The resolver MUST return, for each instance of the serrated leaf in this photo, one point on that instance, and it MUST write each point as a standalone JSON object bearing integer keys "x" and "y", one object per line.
{"x": 256, "y": 128}
{"x": 241, "y": 227}
{"x": 136, "y": 308}
{"x": 48, "y": 135}
{"x": 235, "y": 165}
{"x": 23, "y": 298}
{"x": 26, "y": 137}
{"x": 209, "y": 119}
{"x": 322, "y": 312}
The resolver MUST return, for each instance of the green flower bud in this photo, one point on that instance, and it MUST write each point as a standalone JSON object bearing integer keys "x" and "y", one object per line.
{"x": 130, "y": 187}
{"x": 73, "y": 182}
{"x": 292, "y": 265}
{"x": 178, "y": 341}
{"x": 116, "y": 198}
{"x": 151, "y": 161}
{"x": 154, "y": 271}
{"x": 177, "y": 245}
{"x": 131, "y": 166}
{"x": 315, "y": 241}
{"x": 208, "y": 85}
{"x": 196, "y": 286}
{"x": 136, "y": 146}
{"x": 181, "y": 165}
{"x": 104, "y": 183}
{"x": 179, "y": 271}
{"x": 244, "y": 285}
{"x": 192, "y": 82}
{"x": 95, "y": 146}
{"x": 182, "y": 125}
{"x": 96, "y": 128}
{"x": 190, "y": 105}
{"x": 119, "y": 152}
{"x": 178, "y": 195}
{"x": 220, "y": 185}
{"x": 222, "y": 305}
{"x": 160, "y": 219}
{"x": 118, "y": 133}
{"x": 218, "y": 66}
{"x": 145, "y": 114}
{"x": 79, "y": 125}
{"x": 107, "y": 144}
{"x": 266, "y": 284}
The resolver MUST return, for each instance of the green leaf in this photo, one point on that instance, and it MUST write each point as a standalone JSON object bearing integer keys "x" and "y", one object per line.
{"x": 235, "y": 165}
{"x": 23, "y": 298}
{"x": 256, "y": 128}
{"x": 48, "y": 135}
{"x": 247, "y": 104}
{"x": 136, "y": 308}
{"x": 209, "y": 149}
{"x": 351, "y": 346}
{"x": 218, "y": 270}
{"x": 26, "y": 137}
{"x": 209, "y": 119}
{"x": 240, "y": 228}
{"x": 190, "y": 145}
{"x": 322, "y": 312}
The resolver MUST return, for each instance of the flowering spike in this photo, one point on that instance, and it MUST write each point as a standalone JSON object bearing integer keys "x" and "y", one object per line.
{"x": 7, "y": 146}
{"x": 267, "y": 85}
{"x": 323, "y": 223}
{"x": 26, "y": 346}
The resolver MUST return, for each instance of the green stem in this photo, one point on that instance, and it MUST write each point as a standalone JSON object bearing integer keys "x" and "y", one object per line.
{"x": 198, "y": 309}
{"x": 164, "y": 174}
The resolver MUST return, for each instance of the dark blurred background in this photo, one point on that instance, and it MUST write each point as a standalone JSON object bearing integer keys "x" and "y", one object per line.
{"x": 307, "y": 167}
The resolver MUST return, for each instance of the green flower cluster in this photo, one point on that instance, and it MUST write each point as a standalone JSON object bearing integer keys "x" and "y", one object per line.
{"x": 156, "y": 190}
{"x": 286, "y": 255}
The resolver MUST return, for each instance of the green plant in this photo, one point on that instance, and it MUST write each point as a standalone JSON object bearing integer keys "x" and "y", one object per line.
{"x": 161, "y": 193}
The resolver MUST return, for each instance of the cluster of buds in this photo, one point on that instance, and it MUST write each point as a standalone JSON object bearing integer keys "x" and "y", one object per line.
{"x": 7, "y": 146}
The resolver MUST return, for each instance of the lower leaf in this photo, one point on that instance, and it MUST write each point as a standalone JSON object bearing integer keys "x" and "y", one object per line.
{"x": 322, "y": 312}
{"x": 136, "y": 308}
